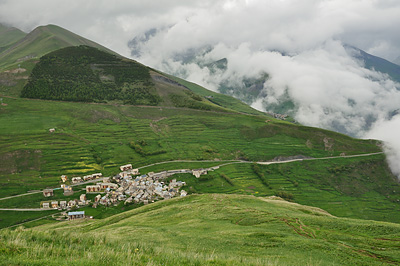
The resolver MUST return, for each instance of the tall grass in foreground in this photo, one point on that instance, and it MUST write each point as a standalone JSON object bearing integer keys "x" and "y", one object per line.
{"x": 29, "y": 247}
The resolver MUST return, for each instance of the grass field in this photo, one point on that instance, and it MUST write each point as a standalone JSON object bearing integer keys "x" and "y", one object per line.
{"x": 93, "y": 138}
{"x": 211, "y": 229}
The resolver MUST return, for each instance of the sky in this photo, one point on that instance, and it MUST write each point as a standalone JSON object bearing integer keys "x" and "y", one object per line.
{"x": 299, "y": 43}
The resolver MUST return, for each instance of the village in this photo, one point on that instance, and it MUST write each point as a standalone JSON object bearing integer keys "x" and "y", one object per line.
{"x": 129, "y": 186}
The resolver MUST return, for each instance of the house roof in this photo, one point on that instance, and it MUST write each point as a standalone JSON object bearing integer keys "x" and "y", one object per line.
{"x": 77, "y": 213}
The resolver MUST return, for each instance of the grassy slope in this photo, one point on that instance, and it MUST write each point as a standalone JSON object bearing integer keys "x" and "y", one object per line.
{"x": 9, "y": 36}
{"x": 26, "y": 52}
{"x": 209, "y": 229}
{"x": 218, "y": 98}
{"x": 95, "y": 137}
{"x": 87, "y": 74}
{"x": 41, "y": 41}
{"x": 45, "y": 39}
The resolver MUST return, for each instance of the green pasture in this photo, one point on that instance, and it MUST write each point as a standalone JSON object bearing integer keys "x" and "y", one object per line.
{"x": 212, "y": 229}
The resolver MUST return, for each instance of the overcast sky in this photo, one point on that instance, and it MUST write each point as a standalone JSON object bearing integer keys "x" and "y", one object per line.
{"x": 290, "y": 25}
{"x": 299, "y": 43}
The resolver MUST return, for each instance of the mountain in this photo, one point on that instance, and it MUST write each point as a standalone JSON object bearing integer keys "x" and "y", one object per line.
{"x": 84, "y": 73}
{"x": 9, "y": 35}
{"x": 41, "y": 41}
{"x": 397, "y": 61}
{"x": 213, "y": 229}
{"x": 376, "y": 63}
{"x": 19, "y": 57}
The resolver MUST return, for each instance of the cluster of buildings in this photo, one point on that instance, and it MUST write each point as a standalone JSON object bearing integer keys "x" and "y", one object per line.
{"x": 63, "y": 204}
{"x": 128, "y": 186}
{"x": 78, "y": 179}
{"x": 278, "y": 116}
{"x": 136, "y": 189}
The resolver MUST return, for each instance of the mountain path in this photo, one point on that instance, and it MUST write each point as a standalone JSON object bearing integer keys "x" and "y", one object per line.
{"x": 228, "y": 162}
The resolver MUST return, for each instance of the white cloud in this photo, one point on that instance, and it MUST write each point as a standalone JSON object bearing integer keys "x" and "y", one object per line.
{"x": 388, "y": 130}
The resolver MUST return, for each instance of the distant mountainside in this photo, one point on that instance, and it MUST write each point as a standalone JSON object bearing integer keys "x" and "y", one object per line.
{"x": 8, "y": 36}
{"x": 40, "y": 41}
{"x": 376, "y": 63}
{"x": 397, "y": 61}
{"x": 20, "y": 58}
{"x": 84, "y": 73}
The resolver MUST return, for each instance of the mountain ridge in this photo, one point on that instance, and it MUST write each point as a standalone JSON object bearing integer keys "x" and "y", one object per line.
{"x": 40, "y": 41}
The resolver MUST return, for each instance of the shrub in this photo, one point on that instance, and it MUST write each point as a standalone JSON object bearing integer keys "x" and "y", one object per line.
{"x": 285, "y": 195}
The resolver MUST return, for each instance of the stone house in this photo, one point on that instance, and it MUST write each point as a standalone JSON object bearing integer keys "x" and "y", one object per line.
{"x": 126, "y": 167}
{"x": 76, "y": 180}
{"x": 71, "y": 203}
{"x": 48, "y": 192}
{"x": 82, "y": 197}
{"x": 54, "y": 204}
{"x": 93, "y": 189}
{"x": 45, "y": 204}
{"x": 64, "y": 178}
{"x": 68, "y": 191}
{"x": 108, "y": 185}
{"x": 97, "y": 175}
{"x": 63, "y": 204}
{"x": 198, "y": 172}
{"x": 105, "y": 201}
{"x": 87, "y": 177}
{"x": 76, "y": 215}
{"x": 97, "y": 198}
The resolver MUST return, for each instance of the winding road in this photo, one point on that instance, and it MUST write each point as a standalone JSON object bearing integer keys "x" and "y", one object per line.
{"x": 228, "y": 162}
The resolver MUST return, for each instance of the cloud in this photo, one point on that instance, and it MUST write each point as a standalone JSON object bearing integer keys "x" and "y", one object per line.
{"x": 388, "y": 131}
{"x": 290, "y": 25}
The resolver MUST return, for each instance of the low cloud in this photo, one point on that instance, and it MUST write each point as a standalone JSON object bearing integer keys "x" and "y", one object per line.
{"x": 388, "y": 131}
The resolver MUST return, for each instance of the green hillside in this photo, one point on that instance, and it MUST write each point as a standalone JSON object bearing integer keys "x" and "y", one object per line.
{"x": 40, "y": 41}
{"x": 92, "y": 138}
{"x": 83, "y": 73}
{"x": 218, "y": 98}
{"x": 87, "y": 74}
{"x": 8, "y": 36}
{"x": 212, "y": 229}
{"x": 19, "y": 57}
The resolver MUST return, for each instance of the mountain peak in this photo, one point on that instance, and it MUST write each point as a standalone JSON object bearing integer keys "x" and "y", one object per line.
{"x": 40, "y": 41}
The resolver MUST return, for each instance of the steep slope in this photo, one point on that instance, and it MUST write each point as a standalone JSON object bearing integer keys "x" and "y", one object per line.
{"x": 9, "y": 35}
{"x": 21, "y": 58}
{"x": 83, "y": 73}
{"x": 376, "y": 63}
{"x": 397, "y": 61}
{"x": 210, "y": 229}
{"x": 41, "y": 41}
{"x": 92, "y": 138}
